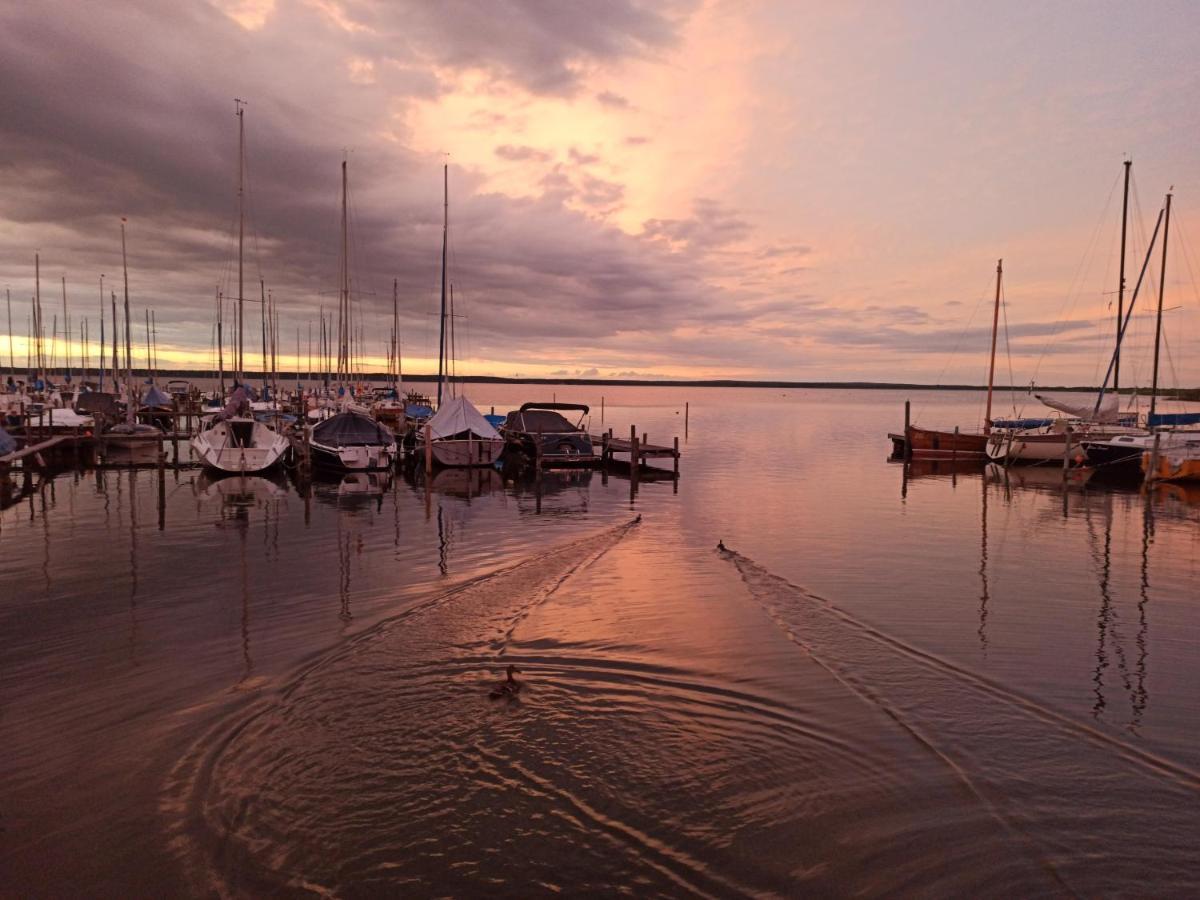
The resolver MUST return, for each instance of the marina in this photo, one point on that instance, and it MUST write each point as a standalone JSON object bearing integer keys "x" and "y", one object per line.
{"x": 388, "y": 604}
{"x": 629, "y": 449}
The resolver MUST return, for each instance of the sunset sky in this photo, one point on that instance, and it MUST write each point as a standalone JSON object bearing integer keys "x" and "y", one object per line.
{"x": 785, "y": 190}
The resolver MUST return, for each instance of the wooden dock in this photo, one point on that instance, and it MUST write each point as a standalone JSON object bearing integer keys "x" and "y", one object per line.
{"x": 639, "y": 450}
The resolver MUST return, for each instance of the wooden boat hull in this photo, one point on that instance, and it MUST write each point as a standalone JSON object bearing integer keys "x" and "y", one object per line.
{"x": 928, "y": 443}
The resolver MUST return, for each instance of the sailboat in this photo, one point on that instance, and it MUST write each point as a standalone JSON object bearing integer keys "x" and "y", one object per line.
{"x": 350, "y": 440}
{"x": 234, "y": 440}
{"x": 928, "y": 443}
{"x": 1102, "y": 421}
{"x": 1166, "y": 449}
{"x": 458, "y": 433}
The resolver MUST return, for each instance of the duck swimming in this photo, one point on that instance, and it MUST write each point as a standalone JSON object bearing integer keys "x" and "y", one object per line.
{"x": 507, "y": 689}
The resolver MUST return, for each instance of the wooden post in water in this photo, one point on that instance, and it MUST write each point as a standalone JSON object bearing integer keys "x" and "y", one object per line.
{"x": 907, "y": 435}
{"x": 1067, "y": 453}
{"x": 954, "y": 447}
{"x": 162, "y": 489}
{"x": 1152, "y": 469}
{"x": 634, "y": 460}
{"x": 428, "y": 450}
{"x": 676, "y": 457}
{"x": 537, "y": 454}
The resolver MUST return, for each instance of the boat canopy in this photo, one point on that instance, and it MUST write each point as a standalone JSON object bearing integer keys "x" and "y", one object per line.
{"x": 533, "y": 421}
{"x": 352, "y": 429}
{"x": 1107, "y": 413}
{"x": 457, "y": 417}
{"x": 577, "y": 406}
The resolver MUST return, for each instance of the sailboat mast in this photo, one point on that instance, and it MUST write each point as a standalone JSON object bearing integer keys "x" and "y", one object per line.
{"x": 66, "y": 331}
{"x": 116, "y": 363}
{"x": 396, "y": 331}
{"x": 1162, "y": 281}
{"x": 154, "y": 345}
{"x": 100, "y": 361}
{"x": 12, "y": 359}
{"x": 128, "y": 330}
{"x": 241, "y": 194}
{"x": 37, "y": 311}
{"x": 1121, "y": 282}
{"x": 344, "y": 304}
{"x": 442, "y": 328}
{"x": 220, "y": 345}
{"x": 262, "y": 288}
{"x": 987, "y": 419}
{"x": 149, "y": 350}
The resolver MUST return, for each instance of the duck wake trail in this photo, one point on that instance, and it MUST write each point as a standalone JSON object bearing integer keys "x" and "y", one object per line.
{"x": 1101, "y": 815}
{"x": 383, "y": 768}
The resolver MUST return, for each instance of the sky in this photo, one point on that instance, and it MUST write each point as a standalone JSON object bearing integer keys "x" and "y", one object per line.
{"x": 673, "y": 189}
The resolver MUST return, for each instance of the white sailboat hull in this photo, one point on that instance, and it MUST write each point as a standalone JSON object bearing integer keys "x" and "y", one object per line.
{"x": 460, "y": 453}
{"x": 1043, "y": 446}
{"x": 239, "y": 445}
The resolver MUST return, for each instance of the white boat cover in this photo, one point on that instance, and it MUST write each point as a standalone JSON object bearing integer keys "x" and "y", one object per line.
{"x": 457, "y": 415}
{"x": 1109, "y": 409}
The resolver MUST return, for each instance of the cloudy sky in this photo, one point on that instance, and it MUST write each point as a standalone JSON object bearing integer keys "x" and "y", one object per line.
{"x": 794, "y": 190}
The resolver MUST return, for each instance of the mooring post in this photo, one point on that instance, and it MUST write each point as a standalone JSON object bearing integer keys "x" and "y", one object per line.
{"x": 634, "y": 460}
{"x": 1152, "y": 469}
{"x": 1067, "y": 453}
{"x": 677, "y": 456}
{"x": 907, "y": 434}
{"x": 954, "y": 446}
{"x": 162, "y": 489}
{"x": 537, "y": 453}
{"x": 428, "y": 449}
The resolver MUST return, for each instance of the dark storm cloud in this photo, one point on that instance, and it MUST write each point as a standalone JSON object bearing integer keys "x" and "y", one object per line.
{"x": 539, "y": 44}
{"x": 131, "y": 114}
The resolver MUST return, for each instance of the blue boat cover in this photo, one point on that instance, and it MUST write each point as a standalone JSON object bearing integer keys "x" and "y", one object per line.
{"x": 1174, "y": 419}
{"x": 418, "y": 411}
{"x": 494, "y": 420}
{"x": 7, "y": 443}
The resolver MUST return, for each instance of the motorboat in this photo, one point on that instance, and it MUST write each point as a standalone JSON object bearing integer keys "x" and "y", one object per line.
{"x": 542, "y": 429}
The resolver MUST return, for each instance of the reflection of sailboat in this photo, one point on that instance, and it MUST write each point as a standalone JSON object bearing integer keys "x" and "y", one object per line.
{"x": 237, "y": 489}
{"x": 985, "y": 593}
{"x": 935, "y": 468}
{"x": 468, "y": 483}
{"x": 359, "y": 484}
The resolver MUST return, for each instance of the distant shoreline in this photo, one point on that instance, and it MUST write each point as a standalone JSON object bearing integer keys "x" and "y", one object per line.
{"x": 166, "y": 374}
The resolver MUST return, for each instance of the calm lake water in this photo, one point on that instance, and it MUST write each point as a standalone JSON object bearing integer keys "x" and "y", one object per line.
{"x": 947, "y": 683}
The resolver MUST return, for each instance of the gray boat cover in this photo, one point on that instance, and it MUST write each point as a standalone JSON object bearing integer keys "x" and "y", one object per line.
{"x": 155, "y": 397}
{"x": 351, "y": 429}
{"x": 457, "y": 417}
